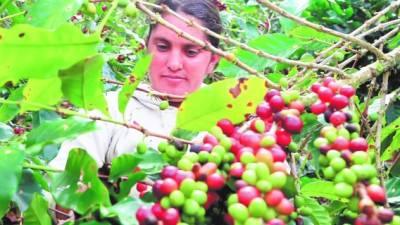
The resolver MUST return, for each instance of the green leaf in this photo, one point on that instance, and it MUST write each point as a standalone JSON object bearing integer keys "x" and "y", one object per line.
{"x": 61, "y": 130}
{"x": 82, "y": 84}
{"x": 11, "y": 160}
{"x": 231, "y": 99}
{"x": 42, "y": 52}
{"x": 152, "y": 162}
{"x": 8, "y": 111}
{"x": 39, "y": 90}
{"x": 295, "y": 7}
{"x": 319, "y": 215}
{"x": 6, "y": 132}
{"x": 394, "y": 42}
{"x": 123, "y": 165}
{"x": 27, "y": 188}
{"x": 125, "y": 186}
{"x": 319, "y": 188}
{"x": 42, "y": 116}
{"x": 95, "y": 223}
{"x": 132, "y": 82}
{"x": 314, "y": 40}
{"x": 275, "y": 44}
{"x": 79, "y": 187}
{"x": 52, "y": 13}
{"x": 392, "y": 189}
{"x": 37, "y": 213}
{"x": 123, "y": 210}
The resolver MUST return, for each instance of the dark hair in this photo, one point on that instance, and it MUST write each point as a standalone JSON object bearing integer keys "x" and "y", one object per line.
{"x": 203, "y": 10}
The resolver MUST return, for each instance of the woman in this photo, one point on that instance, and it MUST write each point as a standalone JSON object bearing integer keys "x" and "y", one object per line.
{"x": 178, "y": 67}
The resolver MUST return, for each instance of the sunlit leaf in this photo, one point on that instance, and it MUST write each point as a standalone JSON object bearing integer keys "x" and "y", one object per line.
{"x": 231, "y": 98}
{"x": 37, "y": 213}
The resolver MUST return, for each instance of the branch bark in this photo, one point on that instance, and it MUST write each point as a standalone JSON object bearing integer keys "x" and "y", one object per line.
{"x": 321, "y": 28}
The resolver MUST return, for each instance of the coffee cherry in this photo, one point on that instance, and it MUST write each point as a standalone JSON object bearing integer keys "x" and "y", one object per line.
{"x": 131, "y": 10}
{"x": 347, "y": 91}
{"x": 292, "y": 124}
{"x": 343, "y": 190}
{"x": 275, "y": 222}
{"x": 226, "y": 126}
{"x": 339, "y": 101}
{"x": 337, "y": 118}
{"x": 171, "y": 217}
{"x": 164, "y": 105}
{"x": 91, "y": 8}
{"x": 141, "y": 148}
{"x": 247, "y": 194}
{"x": 318, "y": 108}
{"x": 257, "y": 207}
{"x": 264, "y": 110}
{"x": 215, "y": 181}
{"x": 277, "y": 103}
{"x": 325, "y": 94}
{"x": 358, "y": 144}
{"x": 385, "y": 215}
{"x": 238, "y": 211}
{"x": 285, "y": 207}
{"x": 376, "y": 193}
{"x": 168, "y": 185}
{"x": 274, "y": 197}
{"x": 177, "y": 198}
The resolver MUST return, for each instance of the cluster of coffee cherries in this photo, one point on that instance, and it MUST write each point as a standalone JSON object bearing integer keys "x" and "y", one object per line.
{"x": 344, "y": 155}
{"x": 237, "y": 173}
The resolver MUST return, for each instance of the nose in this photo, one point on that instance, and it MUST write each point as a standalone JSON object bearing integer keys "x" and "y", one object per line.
{"x": 174, "y": 62}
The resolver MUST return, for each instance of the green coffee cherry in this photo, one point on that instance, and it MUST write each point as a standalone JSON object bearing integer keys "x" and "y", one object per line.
{"x": 164, "y": 105}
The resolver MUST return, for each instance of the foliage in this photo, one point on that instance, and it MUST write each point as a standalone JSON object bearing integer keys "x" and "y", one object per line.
{"x": 54, "y": 56}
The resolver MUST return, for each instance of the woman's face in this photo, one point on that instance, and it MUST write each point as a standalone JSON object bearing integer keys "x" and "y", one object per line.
{"x": 178, "y": 66}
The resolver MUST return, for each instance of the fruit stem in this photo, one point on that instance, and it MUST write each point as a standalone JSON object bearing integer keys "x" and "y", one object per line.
{"x": 106, "y": 17}
{"x": 293, "y": 171}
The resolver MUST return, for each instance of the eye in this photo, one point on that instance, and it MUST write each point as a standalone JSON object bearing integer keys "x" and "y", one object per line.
{"x": 162, "y": 47}
{"x": 191, "y": 52}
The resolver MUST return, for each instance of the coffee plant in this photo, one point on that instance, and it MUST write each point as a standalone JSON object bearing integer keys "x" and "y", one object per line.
{"x": 298, "y": 124}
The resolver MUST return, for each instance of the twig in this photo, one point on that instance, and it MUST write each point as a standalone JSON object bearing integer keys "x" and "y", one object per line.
{"x": 68, "y": 112}
{"x": 151, "y": 92}
{"x": 367, "y": 23}
{"x": 374, "y": 69}
{"x": 317, "y": 27}
{"x": 379, "y": 128}
{"x": 376, "y": 43}
{"x": 293, "y": 171}
{"x": 11, "y": 16}
{"x": 379, "y": 27}
{"x": 206, "y": 45}
{"x": 244, "y": 46}
{"x": 107, "y": 16}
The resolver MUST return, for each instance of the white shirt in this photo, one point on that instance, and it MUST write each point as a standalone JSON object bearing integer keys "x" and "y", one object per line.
{"x": 111, "y": 140}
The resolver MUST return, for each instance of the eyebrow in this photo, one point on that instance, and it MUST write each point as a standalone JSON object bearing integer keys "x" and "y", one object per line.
{"x": 189, "y": 45}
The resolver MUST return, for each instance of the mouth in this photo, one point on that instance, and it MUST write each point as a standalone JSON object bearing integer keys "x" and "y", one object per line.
{"x": 173, "y": 77}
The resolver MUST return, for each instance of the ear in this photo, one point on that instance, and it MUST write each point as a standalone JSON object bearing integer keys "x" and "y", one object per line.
{"x": 213, "y": 62}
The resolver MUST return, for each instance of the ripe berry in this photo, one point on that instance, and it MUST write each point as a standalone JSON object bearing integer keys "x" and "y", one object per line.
{"x": 247, "y": 194}
{"x": 168, "y": 172}
{"x": 275, "y": 222}
{"x": 274, "y": 197}
{"x": 315, "y": 87}
{"x": 215, "y": 181}
{"x": 270, "y": 94}
{"x": 19, "y": 130}
{"x": 121, "y": 58}
{"x": 283, "y": 138}
{"x": 347, "y": 91}
{"x": 385, "y": 215}
{"x": 226, "y": 126}
{"x": 264, "y": 110}
{"x": 140, "y": 187}
{"x": 376, "y": 193}
{"x": 318, "y": 108}
{"x": 339, "y": 101}
{"x": 325, "y": 94}
{"x": 337, "y": 118}
{"x": 358, "y": 144}
{"x": 340, "y": 143}
{"x": 104, "y": 8}
{"x": 278, "y": 154}
{"x": 297, "y": 105}
{"x": 171, "y": 217}
{"x": 277, "y": 103}
{"x": 169, "y": 185}
{"x": 285, "y": 207}
{"x": 292, "y": 124}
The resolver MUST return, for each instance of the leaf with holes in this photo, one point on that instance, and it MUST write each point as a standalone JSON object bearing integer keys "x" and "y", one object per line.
{"x": 232, "y": 99}
{"x": 79, "y": 187}
{"x": 42, "y": 52}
